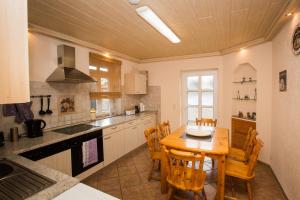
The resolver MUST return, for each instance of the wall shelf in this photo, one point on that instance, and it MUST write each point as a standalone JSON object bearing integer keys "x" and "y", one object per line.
{"x": 241, "y": 99}
{"x": 242, "y": 82}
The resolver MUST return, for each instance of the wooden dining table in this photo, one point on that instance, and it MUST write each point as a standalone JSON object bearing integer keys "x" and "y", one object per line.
{"x": 216, "y": 147}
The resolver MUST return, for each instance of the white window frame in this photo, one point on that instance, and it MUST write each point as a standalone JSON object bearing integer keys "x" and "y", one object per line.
{"x": 184, "y": 95}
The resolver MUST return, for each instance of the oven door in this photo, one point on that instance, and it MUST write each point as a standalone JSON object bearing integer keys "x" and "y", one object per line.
{"x": 77, "y": 152}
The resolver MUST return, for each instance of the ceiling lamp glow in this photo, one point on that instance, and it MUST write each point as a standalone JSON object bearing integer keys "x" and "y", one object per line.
{"x": 146, "y": 13}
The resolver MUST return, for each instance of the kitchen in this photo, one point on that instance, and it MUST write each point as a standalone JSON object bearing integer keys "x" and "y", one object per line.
{"x": 81, "y": 90}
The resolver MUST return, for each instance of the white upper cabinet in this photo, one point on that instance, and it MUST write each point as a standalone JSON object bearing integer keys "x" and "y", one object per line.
{"x": 136, "y": 83}
{"x": 14, "y": 67}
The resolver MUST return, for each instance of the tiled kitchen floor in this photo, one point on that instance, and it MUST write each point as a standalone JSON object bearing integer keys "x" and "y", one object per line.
{"x": 127, "y": 179}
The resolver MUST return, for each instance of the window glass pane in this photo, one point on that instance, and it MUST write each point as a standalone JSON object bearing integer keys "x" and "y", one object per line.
{"x": 104, "y": 84}
{"x": 193, "y": 98}
{"x": 93, "y": 104}
{"x": 207, "y": 82}
{"x": 193, "y": 113}
{"x": 207, "y": 98}
{"x": 193, "y": 82}
{"x": 207, "y": 112}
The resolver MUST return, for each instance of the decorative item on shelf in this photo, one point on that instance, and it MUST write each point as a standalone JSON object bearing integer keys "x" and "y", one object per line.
{"x": 243, "y": 80}
{"x": 238, "y": 95}
{"x": 255, "y": 94}
{"x": 283, "y": 81}
{"x": 241, "y": 115}
{"x": 253, "y": 116}
{"x": 296, "y": 40}
{"x": 248, "y": 115}
{"x": 246, "y": 97}
{"x": 250, "y": 79}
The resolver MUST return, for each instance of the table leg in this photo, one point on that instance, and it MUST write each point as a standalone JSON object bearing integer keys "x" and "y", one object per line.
{"x": 163, "y": 173}
{"x": 221, "y": 178}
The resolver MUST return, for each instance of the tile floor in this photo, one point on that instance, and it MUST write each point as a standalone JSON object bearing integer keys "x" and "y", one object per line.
{"x": 127, "y": 179}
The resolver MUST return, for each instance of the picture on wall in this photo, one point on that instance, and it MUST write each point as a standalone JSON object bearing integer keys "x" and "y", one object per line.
{"x": 66, "y": 104}
{"x": 283, "y": 81}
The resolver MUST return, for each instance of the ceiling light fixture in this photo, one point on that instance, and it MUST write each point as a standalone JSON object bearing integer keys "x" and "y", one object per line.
{"x": 289, "y": 14}
{"x": 146, "y": 13}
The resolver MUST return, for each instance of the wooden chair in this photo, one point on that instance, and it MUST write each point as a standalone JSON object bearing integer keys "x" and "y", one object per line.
{"x": 152, "y": 138}
{"x": 244, "y": 171}
{"x": 207, "y": 122}
{"x": 164, "y": 129}
{"x": 244, "y": 154}
{"x": 185, "y": 172}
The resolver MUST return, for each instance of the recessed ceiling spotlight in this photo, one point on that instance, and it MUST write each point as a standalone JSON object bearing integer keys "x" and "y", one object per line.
{"x": 134, "y": 2}
{"x": 289, "y": 14}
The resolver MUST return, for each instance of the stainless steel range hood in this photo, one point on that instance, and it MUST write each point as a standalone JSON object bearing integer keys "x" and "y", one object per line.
{"x": 66, "y": 71}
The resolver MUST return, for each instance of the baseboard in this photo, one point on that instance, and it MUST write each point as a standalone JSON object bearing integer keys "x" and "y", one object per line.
{"x": 281, "y": 188}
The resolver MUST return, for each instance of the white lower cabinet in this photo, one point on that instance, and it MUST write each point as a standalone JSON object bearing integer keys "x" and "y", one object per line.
{"x": 113, "y": 146}
{"x": 130, "y": 138}
{"x": 61, "y": 162}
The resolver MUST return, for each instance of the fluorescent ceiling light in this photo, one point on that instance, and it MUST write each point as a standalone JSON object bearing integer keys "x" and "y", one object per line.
{"x": 146, "y": 13}
{"x": 92, "y": 67}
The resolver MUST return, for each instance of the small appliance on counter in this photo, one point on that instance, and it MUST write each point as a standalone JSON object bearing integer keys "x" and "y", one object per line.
{"x": 137, "y": 109}
{"x": 1, "y": 138}
{"x": 142, "y": 107}
{"x": 35, "y": 127}
{"x": 129, "y": 112}
{"x": 14, "y": 134}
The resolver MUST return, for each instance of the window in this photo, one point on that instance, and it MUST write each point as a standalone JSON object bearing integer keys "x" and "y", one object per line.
{"x": 102, "y": 107}
{"x": 199, "y": 95}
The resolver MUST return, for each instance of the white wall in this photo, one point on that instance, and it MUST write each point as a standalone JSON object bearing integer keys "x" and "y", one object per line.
{"x": 285, "y": 151}
{"x": 43, "y": 57}
{"x": 260, "y": 57}
{"x": 168, "y": 75}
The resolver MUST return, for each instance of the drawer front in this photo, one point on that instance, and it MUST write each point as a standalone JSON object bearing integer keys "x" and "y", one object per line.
{"x": 131, "y": 123}
{"x": 112, "y": 129}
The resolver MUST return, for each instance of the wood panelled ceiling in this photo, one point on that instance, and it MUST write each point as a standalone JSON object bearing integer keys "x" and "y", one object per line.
{"x": 204, "y": 26}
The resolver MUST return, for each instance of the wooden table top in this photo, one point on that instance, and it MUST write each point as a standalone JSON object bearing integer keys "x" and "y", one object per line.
{"x": 219, "y": 143}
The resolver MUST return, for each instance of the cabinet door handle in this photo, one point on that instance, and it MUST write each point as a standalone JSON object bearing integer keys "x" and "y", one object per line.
{"x": 134, "y": 127}
{"x": 107, "y": 138}
{"x": 113, "y": 128}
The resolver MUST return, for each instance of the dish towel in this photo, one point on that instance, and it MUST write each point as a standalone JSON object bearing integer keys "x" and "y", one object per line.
{"x": 89, "y": 152}
{"x": 22, "y": 111}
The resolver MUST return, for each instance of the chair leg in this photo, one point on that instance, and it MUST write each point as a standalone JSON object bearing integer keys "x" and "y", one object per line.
{"x": 203, "y": 194}
{"x": 196, "y": 196}
{"x": 249, "y": 189}
{"x": 152, "y": 168}
{"x": 170, "y": 193}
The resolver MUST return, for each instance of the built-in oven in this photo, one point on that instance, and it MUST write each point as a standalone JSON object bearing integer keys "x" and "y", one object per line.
{"x": 80, "y": 156}
{"x": 78, "y": 153}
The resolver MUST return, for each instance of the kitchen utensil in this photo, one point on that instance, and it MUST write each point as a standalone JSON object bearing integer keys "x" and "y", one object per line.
{"x": 1, "y": 138}
{"x": 42, "y": 112}
{"x": 14, "y": 134}
{"x": 48, "y": 111}
{"x": 35, "y": 127}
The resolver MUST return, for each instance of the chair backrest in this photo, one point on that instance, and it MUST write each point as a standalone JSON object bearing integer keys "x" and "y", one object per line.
{"x": 250, "y": 145}
{"x": 258, "y": 144}
{"x": 152, "y": 138}
{"x": 247, "y": 138}
{"x": 206, "y": 122}
{"x": 184, "y": 169}
{"x": 164, "y": 129}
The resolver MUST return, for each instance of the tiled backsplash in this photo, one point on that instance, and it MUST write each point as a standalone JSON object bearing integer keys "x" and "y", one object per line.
{"x": 82, "y": 104}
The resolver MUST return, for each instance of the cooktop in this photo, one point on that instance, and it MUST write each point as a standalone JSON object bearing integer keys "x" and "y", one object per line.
{"x": 74, "y": 129}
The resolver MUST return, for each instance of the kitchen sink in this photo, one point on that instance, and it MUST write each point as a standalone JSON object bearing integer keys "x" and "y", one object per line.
{"x": 18, "y": 182}
{"x": 5, "y": 170}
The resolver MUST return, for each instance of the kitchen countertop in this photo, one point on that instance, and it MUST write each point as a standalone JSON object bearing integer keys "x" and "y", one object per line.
{"x": 63, "y": 182}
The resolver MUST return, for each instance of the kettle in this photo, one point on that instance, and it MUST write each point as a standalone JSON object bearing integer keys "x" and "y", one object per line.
{"x": 35, "y": 127}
